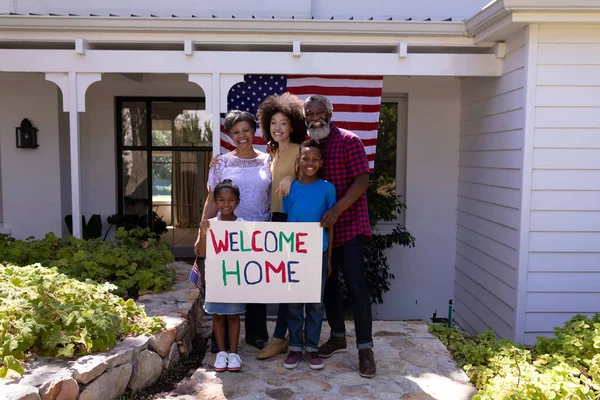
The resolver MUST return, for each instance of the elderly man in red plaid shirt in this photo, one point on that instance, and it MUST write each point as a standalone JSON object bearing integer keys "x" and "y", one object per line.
{"x": 346, "y": 166}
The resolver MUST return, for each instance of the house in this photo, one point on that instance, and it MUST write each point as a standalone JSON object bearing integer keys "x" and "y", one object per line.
{"x": 497, "y": 140}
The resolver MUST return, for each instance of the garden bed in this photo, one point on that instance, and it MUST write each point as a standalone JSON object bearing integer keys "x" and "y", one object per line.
{"x": 135, "y": 363}
{"x": 566, "y": 366}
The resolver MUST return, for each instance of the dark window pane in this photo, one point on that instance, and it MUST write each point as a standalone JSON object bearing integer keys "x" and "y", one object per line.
{"x": 133, "y": 117}
{"x": 385, "y": 158}
{"x": 135, "y": 182}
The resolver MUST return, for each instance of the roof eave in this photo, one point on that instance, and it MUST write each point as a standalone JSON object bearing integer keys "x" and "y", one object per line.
{"x": 503, "y": 17}
{"x": 164, "y": 25}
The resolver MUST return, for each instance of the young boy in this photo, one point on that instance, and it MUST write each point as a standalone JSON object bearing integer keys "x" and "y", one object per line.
{"x": 307, "y": 201}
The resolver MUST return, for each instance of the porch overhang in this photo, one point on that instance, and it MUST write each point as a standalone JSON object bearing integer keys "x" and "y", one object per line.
{"x": 235, "y": 62}
{"x": 502, "y": 18}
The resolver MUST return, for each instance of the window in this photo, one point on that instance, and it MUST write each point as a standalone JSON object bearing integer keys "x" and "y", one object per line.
{"x": 390, "y": 158}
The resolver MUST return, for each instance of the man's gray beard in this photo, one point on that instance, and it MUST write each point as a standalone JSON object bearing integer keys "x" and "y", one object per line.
{"x": 319, "y": 133}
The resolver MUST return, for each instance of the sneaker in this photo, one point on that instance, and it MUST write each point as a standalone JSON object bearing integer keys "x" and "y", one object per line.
{"x": 314, "y": 361}
{"x": 234, "y": 362}
{"x": 221, "y": 361}
{"x": 272, "y": 349}
{"x": 334, "y": 345}
{"x": 292, "y": 359}
{"x": 366, "y": 363}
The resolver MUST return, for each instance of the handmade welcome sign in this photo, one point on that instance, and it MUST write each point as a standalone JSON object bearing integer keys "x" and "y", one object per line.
{"x": 264, "y": 262}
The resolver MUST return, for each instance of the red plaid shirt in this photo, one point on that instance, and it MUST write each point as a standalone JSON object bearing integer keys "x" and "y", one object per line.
{"x": 344, "y": 159}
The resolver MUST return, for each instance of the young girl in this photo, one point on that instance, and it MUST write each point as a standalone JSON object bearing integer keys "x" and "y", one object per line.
{"x": 227, "y": 197}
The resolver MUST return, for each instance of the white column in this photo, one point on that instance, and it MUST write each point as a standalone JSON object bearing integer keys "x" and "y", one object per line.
{"x": 75, "y": 156}
{"x": 73, "y": 86}
{"x": 216, "y": 113}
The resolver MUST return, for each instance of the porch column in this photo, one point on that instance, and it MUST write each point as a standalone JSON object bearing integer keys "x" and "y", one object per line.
{"x": 73, "y": 86}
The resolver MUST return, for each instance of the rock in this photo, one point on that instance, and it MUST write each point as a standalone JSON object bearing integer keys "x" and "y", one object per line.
{"x": 45, "y": 371}
{"x": 419, "y": 359}
{"x": 280, "y": 394}
{"x": 87, "y": 368}
{"x": 417, "y": 396}
{"x": 172, "y": 357}
{"x": 387, "y": 333}
{"x": 19, "y": 392}
{"x": 66, "y": 389}
{"x": 354, "y": 390}
{"x": 402, "y": 344}
{"x": 147, "y": 370}
{"x": 310, "y": 385}
{"x": 182, "y": 329}
{"x": 109, "y": 385}
{"x": 125, "y": 350}
{"x": 161, "y": 342}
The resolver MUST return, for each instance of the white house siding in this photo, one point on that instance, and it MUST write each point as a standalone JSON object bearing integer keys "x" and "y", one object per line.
{"x": 425, "y": 273}
{"x": 30, "y": 177}
{"x": 563, "y": 276}
{"x": 489, "y": 196}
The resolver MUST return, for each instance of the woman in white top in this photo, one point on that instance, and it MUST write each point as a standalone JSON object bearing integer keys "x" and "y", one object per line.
{"x": 250, "y": 170}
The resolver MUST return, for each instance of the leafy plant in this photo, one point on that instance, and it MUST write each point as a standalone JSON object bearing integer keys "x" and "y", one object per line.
{"x": 46, "y": 312}
{"x": 566, "y": 366}
{"x": 132, "y": 261}
{"x": 137, "y": 219}
{"x": 91, "y": 229}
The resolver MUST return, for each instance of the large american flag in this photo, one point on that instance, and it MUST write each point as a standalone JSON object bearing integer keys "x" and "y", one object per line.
{"x": 356, "y": 102}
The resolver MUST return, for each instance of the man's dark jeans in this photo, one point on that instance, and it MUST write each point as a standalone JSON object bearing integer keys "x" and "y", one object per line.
{"x": 350, "y": 259}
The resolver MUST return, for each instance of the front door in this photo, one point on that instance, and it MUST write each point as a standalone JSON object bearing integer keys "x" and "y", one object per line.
{"x": 164, "y": 148}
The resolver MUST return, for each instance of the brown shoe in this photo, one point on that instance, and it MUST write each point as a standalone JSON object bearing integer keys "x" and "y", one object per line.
{"x": 366, "y": 363}
{"x": 333, "y": 345}
{"x": 272, "y": 349}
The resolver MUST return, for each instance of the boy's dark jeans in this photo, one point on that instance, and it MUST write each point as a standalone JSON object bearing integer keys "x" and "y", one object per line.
{"x": 311, "y": 323}
{"x": 350, "y": 258}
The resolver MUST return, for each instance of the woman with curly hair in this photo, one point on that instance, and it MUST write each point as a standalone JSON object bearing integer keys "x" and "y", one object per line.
{"x": 281, "y": 119}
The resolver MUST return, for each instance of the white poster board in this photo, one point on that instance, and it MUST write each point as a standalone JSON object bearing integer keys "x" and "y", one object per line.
{"x": 264, "y": 262}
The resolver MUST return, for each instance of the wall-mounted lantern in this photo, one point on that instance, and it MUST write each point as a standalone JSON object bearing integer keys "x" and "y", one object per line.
{"x": 26, "y": 135}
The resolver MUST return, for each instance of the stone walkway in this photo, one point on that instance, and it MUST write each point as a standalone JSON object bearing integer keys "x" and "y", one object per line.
{"x": 411, "y": 365}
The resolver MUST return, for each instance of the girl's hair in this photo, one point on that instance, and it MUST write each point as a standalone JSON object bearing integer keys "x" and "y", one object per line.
{"x": 227, "y": 184}
{"x": 311, "y": 143}
{"x": 235, "y": 116}
{"x": 290, "y": 106}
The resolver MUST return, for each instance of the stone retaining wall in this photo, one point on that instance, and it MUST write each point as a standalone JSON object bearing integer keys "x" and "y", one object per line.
{"x": 135, "y": 363}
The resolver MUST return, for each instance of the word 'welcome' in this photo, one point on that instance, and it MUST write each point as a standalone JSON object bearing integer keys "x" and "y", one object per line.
{"x": 271, "y": 242}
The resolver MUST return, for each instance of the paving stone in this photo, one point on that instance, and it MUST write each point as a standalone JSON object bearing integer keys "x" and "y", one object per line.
{"x": 280, "y": 394}
{"x": 417, "y": 396}
{"x": 355, "y": 391}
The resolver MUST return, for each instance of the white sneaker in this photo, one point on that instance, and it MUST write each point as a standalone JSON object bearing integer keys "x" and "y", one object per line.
{"x": 221, "y": 361}
{"x": 234, "y": 362}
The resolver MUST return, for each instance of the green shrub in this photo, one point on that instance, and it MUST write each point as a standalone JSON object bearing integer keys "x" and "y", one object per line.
{"x": 46, "y": 312}
{"x": 566, "y": 366}
{"x": 132, "y": 261}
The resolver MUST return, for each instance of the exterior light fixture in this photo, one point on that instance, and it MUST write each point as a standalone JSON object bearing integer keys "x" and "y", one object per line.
{"x": 26, "y": 135}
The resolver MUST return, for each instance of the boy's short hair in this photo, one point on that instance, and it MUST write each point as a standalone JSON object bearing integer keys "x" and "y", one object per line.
{"x": 311, "y": 143}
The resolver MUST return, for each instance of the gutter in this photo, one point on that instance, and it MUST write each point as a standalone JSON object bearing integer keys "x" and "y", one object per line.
{"x": 240, "y": 26}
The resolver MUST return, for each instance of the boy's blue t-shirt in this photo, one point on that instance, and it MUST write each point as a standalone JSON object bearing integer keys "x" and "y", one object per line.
{"x": 308, "y": 203}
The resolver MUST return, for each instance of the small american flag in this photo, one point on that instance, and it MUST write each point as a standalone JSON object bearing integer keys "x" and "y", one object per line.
{"x": 195, "y": 275}
{"x": 356, "y": 102}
